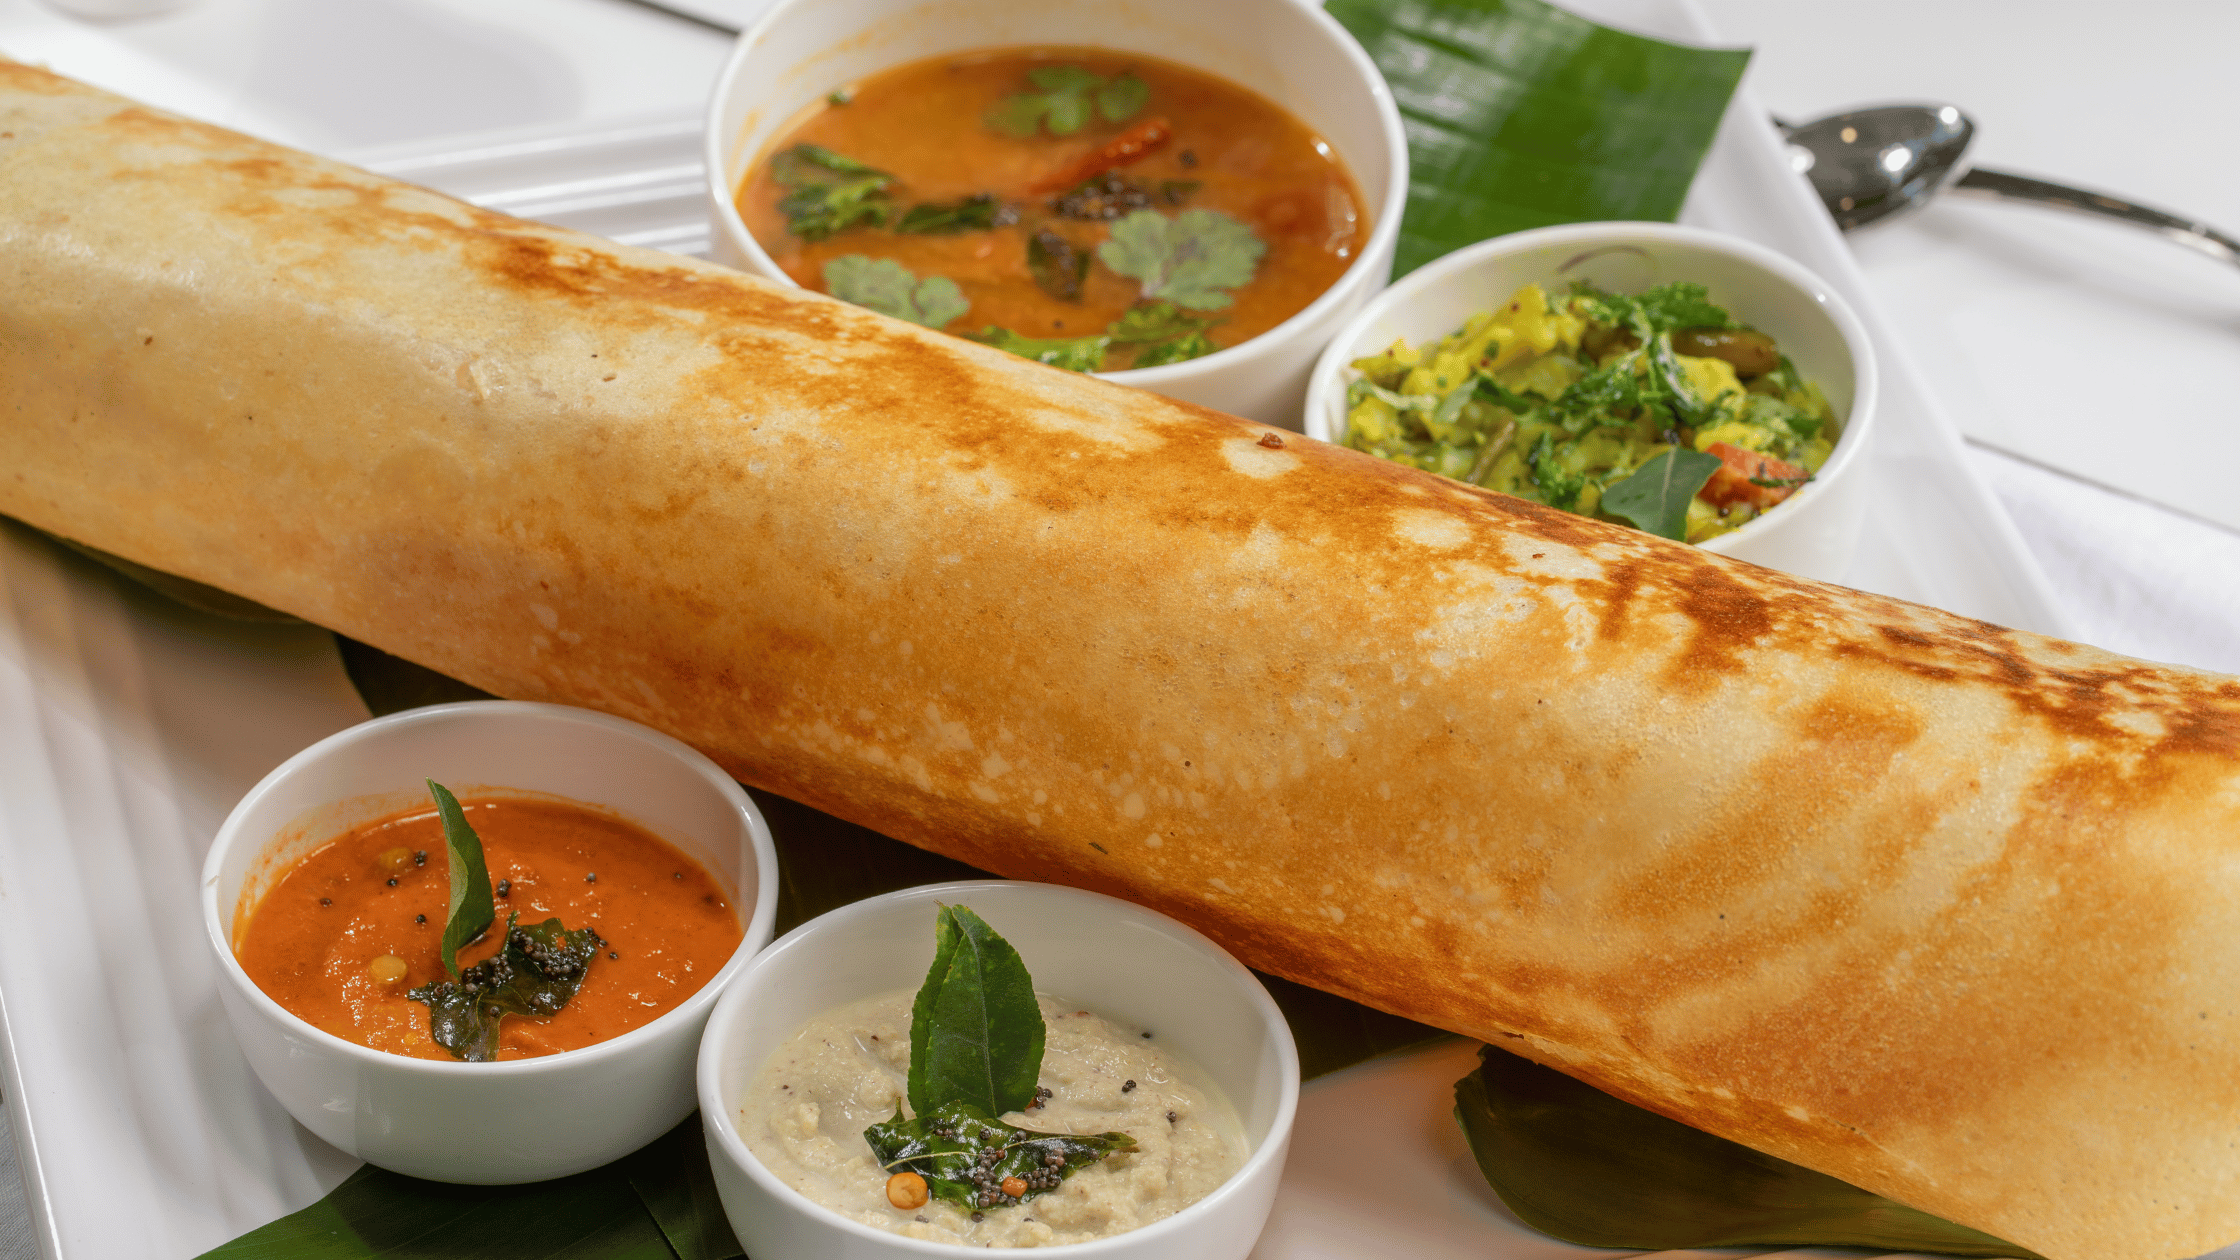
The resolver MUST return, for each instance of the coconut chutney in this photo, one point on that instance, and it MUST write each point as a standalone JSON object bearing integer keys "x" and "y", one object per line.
{"x": 805, "y": 1113}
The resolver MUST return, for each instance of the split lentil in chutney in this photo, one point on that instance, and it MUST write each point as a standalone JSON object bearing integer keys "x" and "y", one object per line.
{"x": 358, "y": 924}
{"x": 1085, "y": 208}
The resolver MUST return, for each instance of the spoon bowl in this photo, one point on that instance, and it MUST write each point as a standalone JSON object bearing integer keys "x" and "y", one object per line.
{"x": 1868, "y": 164}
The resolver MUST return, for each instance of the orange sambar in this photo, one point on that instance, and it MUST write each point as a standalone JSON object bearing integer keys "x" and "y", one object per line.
{"x": 382, "y": 888}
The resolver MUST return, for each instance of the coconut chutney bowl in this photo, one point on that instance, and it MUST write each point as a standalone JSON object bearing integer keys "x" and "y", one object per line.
{"x": 514, "y": 1119}
{"x": 1126, "y": 964}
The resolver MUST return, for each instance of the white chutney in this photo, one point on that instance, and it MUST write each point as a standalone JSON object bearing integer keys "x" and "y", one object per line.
{"x": 805, "y": 1113}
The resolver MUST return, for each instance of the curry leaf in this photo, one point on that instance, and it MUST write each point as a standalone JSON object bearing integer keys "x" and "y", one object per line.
{"x": 1575, "y": 1162}
{"x": 1058, "y": 265}
{"x": 537, "y": 971}
{"x": 975, "y": 213}
{"x": 1657, "y": 495}
{"x": 1074, "y": 354}
{"x": 944, "y": 1147}
{"x": 976, "y": 1031}
{"x": 831, "y": 192}
{"x": 1189, "y": 260}
{"x": 471, "y": 908}
{"x": 1519, "y": 115}
{"x": 888, "y": 287}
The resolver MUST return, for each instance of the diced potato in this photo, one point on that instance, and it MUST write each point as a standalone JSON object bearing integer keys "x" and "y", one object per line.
{"x": 1735, "y": 433}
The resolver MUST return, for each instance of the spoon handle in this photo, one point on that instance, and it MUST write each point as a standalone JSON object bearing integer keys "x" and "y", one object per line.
{"x": 2188, "y": 232}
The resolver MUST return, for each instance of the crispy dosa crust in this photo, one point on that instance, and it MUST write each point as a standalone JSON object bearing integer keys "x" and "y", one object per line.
{"x": 1942, "y": 909}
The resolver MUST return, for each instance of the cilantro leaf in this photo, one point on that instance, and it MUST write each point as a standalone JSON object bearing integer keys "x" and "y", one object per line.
{"x": 1665, "y": 308}
{"x": 1656, "y": 497}
{"x": 1189, "y": 260}
{"x": 890, "y": 288}
{"x": 1604, "y": 397}
{"x": 1165, "y": 333}
{"x": 976, "y": 213}
{"x": 944, "y": 1147}
{"x": 831, "y": 192}
{"x": 535, "y": 975}
{"x": 1074, "y": 354}
{"x": 471, "y": 908}
{"x": 1559, "y": 486}
{"x": 1069, "y": 97}
{"x": 1682, "y": 304}
{"x": 1122, "y": 98}
{"x": 1190, "y": 346}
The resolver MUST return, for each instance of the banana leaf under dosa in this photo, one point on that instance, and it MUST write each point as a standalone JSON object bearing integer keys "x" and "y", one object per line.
{"x": 1944, "y": 910}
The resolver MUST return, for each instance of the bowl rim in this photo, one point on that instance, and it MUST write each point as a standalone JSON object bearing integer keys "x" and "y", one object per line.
{"x": 755, "y": 926}
{"x": 735, "y": 1007}
{"x": 1866, "y": 372}
{"x": 1384, "y": 234}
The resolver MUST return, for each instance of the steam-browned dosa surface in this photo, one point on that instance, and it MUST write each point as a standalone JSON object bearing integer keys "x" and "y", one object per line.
{"x": 1945, "y": 910}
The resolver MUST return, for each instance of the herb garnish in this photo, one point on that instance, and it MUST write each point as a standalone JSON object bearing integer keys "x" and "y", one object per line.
{"x": 535, "y": 974}
{"x": 540, "y": 968}
{"x": 1165, "y": 333}
{"x": 1058, "y": 265}
{"x": 888, "y": 287}
{"x": 1074, "y": 354}
{"x": 1068, "y": 97}
{"x": 1657, "y": 495}
{"x": 1190, "y": 259}
{"x": 471, "y": 908}
{"x": 976, "y": 1038}
{"x": 831, "y": 192}
{"x": 976, "y": 213}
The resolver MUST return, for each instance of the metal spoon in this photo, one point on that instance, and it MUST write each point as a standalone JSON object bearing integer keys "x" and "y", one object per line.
{"x": 1869, "y": 164}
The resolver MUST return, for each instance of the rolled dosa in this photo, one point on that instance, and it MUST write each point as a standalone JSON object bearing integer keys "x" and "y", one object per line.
{"x": 1943, "y": 909}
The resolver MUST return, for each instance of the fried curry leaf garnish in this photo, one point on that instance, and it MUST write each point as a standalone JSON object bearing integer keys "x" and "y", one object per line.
{"x": 1058, "y": 265}
{"x": 540, "y": 968}
{"x": 966, "y": 1157}
{"x": 471, "y": 908}
{"x": 1191, "y": 260}
{"x": 1575, "y": 1162}
{"x": 976, "y": 213}
{"x": 976, "y": 1039}
{"x": 888, "y": 287}
{"x": 1068, "y": 97}
{"x": 830, "y": 192}
{"x": 1074, "y": 354}
{"x": 1657, "y": 495}
{"x": 976, "y": 1031}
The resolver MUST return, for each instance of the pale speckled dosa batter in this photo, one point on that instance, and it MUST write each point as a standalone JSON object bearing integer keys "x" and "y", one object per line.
{"x": 1946, "y": 910}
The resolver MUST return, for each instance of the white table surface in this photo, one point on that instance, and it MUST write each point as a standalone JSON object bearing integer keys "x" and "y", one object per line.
{"x": 2083, "y": 348}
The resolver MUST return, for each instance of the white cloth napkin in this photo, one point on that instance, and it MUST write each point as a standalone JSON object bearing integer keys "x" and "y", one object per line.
{"x": 2139, "y": 578}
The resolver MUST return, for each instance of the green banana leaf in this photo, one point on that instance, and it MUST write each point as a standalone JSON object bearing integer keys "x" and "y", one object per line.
{"x": 1520, "y": 115}
{"x": 657, "y": 1203}
{"x": 1574, "y": 1162}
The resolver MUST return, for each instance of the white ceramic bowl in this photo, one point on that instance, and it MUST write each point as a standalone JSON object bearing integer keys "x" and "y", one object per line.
{"x": 486, "y": 1123}
{"x": 1816, "y": 530}
{"x": 1116, "y": 958}
{"x": 1289, "y": 52}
